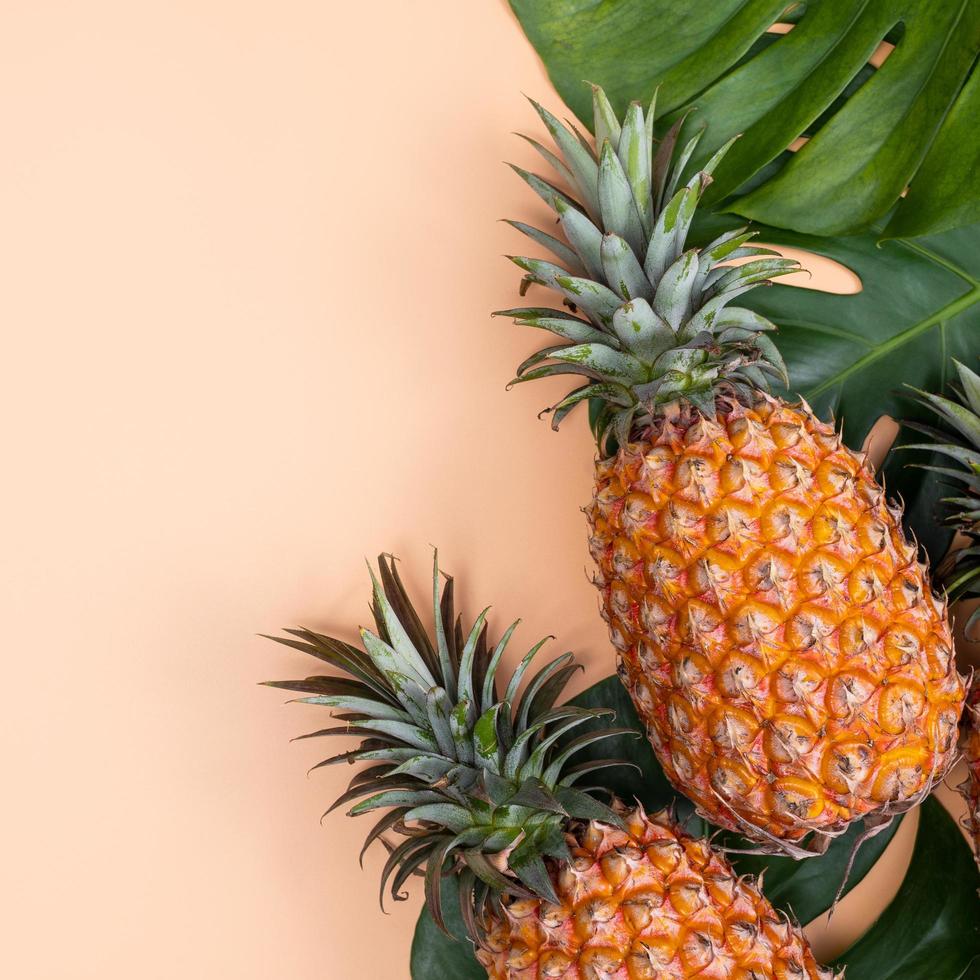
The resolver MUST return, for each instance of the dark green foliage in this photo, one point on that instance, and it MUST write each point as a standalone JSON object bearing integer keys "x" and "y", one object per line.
{"x": 911, "y": 122}
{"x": 931, "y": 930}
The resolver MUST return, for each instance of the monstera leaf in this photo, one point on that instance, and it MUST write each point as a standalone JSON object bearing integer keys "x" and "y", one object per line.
{"x": 931, "y": 929}
{"x": 871, "y": 131}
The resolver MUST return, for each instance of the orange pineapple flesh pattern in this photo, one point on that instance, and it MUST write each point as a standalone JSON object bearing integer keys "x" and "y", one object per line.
{"x": 773, "y": 625}
{"x": 649, "y": 904}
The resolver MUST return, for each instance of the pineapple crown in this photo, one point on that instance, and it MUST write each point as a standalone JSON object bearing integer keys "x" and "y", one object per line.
{"x": 960, "y": 441}
{"x": 653, "y": 321}
{"x": 476, "y": 783}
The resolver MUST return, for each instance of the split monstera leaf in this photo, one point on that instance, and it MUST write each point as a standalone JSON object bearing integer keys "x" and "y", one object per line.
{"x": 873, "y": 128}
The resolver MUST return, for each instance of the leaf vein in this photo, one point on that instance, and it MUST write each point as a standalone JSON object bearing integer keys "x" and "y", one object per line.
{"x": 899, "y": 340}
{"x": 939, "y": 260}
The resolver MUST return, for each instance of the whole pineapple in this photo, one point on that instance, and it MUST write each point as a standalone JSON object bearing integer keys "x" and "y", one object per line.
{"x": 482, "y": 786}
{"x": 960, "y": 442}
{"x": 773, "y": 624}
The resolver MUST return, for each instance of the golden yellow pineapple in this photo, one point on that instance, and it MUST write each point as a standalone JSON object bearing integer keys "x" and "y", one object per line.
{"x": 773, "y": 624}
{"x": 481, "y": 785}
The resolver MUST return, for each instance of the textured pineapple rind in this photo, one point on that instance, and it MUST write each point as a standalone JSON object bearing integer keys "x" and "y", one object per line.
{"x": 971, "y": 751}
{"x": 650, "y": 902}
{"x": 773, "y": 624}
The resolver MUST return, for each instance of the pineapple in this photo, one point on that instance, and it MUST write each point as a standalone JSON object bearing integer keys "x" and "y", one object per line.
{"x": 482, "y": 786}
{"x": 772, "y": 622}
{"x": 962, "y": 569}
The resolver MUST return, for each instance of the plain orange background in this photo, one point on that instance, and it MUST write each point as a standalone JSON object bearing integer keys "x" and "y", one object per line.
{"x": 249, "y": 250}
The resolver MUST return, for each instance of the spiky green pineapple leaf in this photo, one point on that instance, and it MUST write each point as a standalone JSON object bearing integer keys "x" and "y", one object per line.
{"x": 872, "y": 131}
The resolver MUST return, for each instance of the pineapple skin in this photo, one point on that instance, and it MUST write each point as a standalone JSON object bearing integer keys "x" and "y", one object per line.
{"x": 773, "y": 625}
{"x": 651, "y": 903}
{"x": 971, "y": 751}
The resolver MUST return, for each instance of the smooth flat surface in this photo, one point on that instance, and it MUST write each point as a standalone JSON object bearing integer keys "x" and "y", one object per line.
{"x": 249, "y": 251}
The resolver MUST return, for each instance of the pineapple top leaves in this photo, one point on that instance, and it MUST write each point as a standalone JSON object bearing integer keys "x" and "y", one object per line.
{"x": 474, "y": 774}
{"x": 647, "y": 321}
{"x": 959, "y": 442}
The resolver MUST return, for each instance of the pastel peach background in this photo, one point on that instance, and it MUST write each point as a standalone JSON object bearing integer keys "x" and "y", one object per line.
{"x": 248, "y": 252}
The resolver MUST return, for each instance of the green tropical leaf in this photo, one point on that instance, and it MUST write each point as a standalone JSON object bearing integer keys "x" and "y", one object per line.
{"x": 932, "y": 927}
{"x": 936, "y": 200}
{"x": 942, "y": 930}
{"x": 434, "y": 954}
{"x": 871, "y": 131}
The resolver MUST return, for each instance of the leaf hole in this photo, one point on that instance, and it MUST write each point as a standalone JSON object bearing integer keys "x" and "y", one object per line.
{"x": 817, "y": 271}
{"x": 889, "y": 42}
{"x": 879, "y": 440}
{"x": 882, "y": 53}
